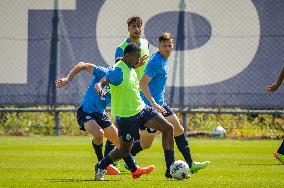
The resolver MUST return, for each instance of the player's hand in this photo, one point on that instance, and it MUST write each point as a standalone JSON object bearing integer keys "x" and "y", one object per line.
{"x": 100, "y": 90}
{"x": 61, "y": 82}
{"x": 159, "y": 108}
{"x": 142, "y": 61}
{"x": 272, "y": 87}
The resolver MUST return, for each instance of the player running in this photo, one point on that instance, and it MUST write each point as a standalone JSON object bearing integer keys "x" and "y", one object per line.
{"x": 91, "y": 116}
{"x": 153, "y": 84}
{"x": 130, "y": 111}
{"x": 135, "y": 28}
{"x": 279, "y": 155}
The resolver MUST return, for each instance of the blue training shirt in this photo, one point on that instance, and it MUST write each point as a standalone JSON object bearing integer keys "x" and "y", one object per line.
{"x": 157, "y": 69}
{"x": 91, "y": 101}
{"x": 119, "y": 51}
{"x": 115, "y": 75}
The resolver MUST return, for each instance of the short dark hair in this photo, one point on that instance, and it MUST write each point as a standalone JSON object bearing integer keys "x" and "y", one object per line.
{"x": 134, "y": 19}
{"x": 131, "y": 48}
{"x": 165, "y": 36}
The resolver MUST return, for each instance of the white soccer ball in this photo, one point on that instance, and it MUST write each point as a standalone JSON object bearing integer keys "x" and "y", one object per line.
{"x": 179, "y": 170}
{"x": 218, "y": 132}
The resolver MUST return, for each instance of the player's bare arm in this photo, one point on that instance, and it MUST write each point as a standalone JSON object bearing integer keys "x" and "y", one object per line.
{"x": 273, "y": 87}
{"x": 88, "y": 67}
{"x": 145, "y": 89}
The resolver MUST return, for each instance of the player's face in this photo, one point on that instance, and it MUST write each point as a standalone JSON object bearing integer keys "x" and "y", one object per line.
{"x": 134, "y": 58}
{"x": 135, "y": 30}
{"x": 166, "y": 47}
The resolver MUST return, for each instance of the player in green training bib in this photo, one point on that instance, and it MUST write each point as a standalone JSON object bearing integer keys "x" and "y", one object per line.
{"x": 135, "y": 27}
{"x": 130, "y": 111}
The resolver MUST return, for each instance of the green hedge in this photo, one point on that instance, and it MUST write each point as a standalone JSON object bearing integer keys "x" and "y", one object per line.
{"x": 237, "y": 126}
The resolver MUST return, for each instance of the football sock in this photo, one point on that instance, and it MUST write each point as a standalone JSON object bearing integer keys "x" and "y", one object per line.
{"x": 98, "y": 150}
{"x": 183, "y": 147}
{"x": 103, "y": 164}
{"x": 136, "y": 148}
{"x": 108, "y": 147}
{"x": 130, "y": 163}
{"x": 169, "y": 157}
{"x": 281, "y": 148}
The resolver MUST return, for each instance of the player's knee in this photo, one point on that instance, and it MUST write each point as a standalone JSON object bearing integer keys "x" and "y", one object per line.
{"x": 124, "y": 152}
{"x": 169, "y": 128}
{"x": 99, "y": 135}
{"x": 146, "y": 145}
{"x": 97, "y": 140}
{"x": 179, "y": 130}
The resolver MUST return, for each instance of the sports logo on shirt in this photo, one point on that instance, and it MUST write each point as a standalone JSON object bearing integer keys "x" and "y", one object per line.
{"x": 128, "y": 137}
{"x": 88, "y": 117}
{"x": 106, "y": 89}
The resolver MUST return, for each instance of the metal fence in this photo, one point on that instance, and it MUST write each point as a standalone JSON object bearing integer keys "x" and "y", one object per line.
{"x": 226, "y": 52}
{"x": 57, "y": 110}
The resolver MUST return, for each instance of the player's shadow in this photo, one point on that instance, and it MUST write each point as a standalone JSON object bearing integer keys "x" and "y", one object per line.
{"x": 73, "y": 180}
{"x": 259, "y": 164}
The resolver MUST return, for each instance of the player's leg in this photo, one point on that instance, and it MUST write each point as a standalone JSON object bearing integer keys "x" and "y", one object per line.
{"x": 279, "y": 155}
{"x": 109, "y": 146}
{"x": 127, "y": 130}
{"x": 136, "y": 171}
{"x": 153, "y": 119}
{"x": 99, "y": 127}
{"x": 146, "y": 139}
{"x": 97, "y": 142}
{"x": 143, "y": 141}
{"x": 181, "y": 141}
{"x": 97, "y": 132}
{"x": 114, "y": 155}
{"x": 111, "y": 134}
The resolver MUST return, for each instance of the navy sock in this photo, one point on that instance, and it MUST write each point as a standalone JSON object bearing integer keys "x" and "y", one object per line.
{"x": 281, "y": 148}
{"x": 183, "y": 147}
{"x": 109, "y": 147}
{"x": 103, "y": 164}
{"x": 136, "y": 148}
{"x": 98, "y": 150}
{"x": 130, "y": 163}
{"x": 169, "y": 157}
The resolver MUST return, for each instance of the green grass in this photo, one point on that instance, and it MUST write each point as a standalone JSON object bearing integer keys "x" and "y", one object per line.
{"x": 69, "y": 161}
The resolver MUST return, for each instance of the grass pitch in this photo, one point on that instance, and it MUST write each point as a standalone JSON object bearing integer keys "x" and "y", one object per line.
{"x": 69, "y": 161}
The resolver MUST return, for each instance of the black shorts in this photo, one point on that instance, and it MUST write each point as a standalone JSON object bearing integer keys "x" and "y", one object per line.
{"x": 128, "y": 127}
{"x": 169, "y": 111}
{"x": 151, "y": 130}
{"x": 82, "y": 117}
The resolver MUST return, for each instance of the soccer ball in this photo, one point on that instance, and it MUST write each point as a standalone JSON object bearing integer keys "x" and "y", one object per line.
{"x": 179, "y": 170}
{"x": 218, "y": 132}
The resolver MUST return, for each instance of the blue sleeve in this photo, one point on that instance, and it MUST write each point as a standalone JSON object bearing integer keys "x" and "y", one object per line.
{"x": 118, "y": 53}
{"x": 115, "y": 76}
{"x": 99, "y": 71}
{"x": 151, "y": 69}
